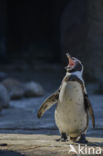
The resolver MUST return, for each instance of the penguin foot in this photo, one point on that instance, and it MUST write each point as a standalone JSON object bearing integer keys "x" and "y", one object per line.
{"x": 82, "y": 139}
{"x": 73, "y": 139}
{"x": 63, "y": 138}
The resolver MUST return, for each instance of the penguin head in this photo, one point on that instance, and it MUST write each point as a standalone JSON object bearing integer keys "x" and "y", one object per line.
{"x": 74, "y": 64}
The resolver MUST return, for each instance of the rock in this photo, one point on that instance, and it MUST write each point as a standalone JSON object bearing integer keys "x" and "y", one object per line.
{"x": 18, "y": 89}
{"x": 33, "y": 89}
{"x": 14, "y": 87}
{"x": 4, "y": 97}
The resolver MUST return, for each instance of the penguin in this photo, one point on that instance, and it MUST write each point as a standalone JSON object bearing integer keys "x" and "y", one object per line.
{"x": 73, "y": 106}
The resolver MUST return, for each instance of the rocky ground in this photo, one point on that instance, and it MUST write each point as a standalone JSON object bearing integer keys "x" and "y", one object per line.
{"x": 44, "y": 145}
{"x": 22, "y": 133}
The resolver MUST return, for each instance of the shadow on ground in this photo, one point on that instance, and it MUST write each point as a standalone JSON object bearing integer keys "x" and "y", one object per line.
{"x": 10, "y": 153}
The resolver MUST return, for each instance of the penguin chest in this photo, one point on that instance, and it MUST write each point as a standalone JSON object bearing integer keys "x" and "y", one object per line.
{"x": 70, "y": 114}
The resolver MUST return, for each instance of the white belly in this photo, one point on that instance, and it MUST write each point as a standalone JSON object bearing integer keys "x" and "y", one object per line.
{"x": 70, "y": 114}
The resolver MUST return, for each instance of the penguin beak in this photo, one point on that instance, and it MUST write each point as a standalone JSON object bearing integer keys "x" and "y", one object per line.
{"x": 71, "y": 61}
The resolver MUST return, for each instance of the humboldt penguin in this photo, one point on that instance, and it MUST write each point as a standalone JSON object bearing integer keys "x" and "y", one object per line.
{"x": 73, "y": 105}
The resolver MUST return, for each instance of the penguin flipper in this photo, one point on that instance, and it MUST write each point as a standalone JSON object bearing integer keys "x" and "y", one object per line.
{"x": 90, "y": 110}
{"x": 48, "y": 103}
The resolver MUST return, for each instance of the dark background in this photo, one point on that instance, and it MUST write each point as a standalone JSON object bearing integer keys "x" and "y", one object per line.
{"x": 31, "y": 27}
{"x": 42, "y": 31}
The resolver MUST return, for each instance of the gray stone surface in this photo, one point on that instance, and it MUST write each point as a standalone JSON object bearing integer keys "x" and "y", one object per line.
{"x": 43, "y": 145}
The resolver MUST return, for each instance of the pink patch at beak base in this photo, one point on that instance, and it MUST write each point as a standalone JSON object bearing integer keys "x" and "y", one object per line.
{"x": 71, "y": 62}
